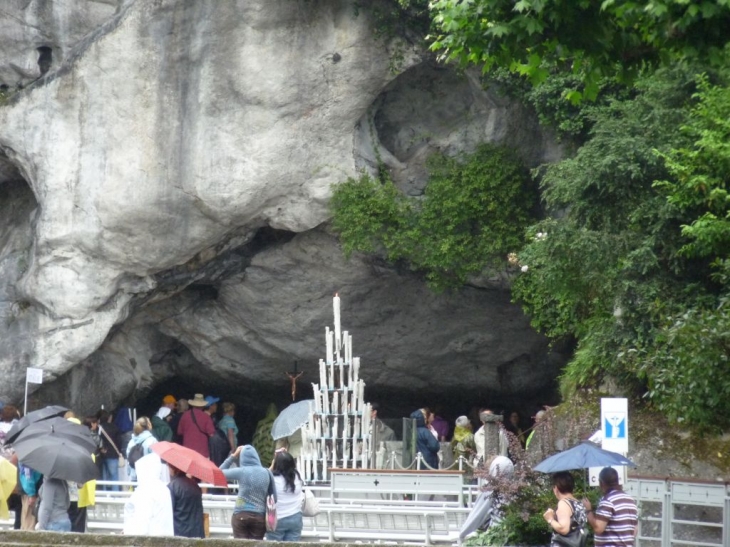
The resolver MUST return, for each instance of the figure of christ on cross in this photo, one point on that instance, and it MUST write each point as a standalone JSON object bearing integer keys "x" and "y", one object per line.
{"x": 293, "y": 377}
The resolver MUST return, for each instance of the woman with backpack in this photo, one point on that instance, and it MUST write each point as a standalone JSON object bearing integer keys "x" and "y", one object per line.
{"x": 140, "y": 444}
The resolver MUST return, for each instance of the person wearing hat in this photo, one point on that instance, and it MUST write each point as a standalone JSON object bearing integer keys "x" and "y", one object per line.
{"x": 212, "y": 407}
{"x": 196, "y": 426}
{"x": 169, "y": 401}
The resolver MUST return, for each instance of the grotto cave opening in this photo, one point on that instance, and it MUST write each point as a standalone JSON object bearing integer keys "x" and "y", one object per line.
{"x": 395, "y": 402}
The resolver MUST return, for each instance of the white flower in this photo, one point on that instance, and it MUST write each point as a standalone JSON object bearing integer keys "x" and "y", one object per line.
{"x": 525, "y": 268}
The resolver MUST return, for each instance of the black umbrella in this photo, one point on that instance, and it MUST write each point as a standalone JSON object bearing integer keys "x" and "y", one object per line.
{"x": 59, "y": 428}
{"x": 57, "y": 458}
{"x": 33, "y": 417}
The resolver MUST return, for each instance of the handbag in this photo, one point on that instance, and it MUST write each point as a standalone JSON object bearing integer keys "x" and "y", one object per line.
{"x": 310, "y": 504}
{"x": 270, "y": 513}
{"x": 577, "y": 537}
{"x": 271, "y": 505}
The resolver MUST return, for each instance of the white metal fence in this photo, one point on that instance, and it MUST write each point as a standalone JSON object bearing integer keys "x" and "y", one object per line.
{"x": 676, "y": 512}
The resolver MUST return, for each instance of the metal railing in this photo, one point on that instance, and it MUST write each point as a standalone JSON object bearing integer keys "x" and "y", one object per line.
{"x": 678, "y": 512}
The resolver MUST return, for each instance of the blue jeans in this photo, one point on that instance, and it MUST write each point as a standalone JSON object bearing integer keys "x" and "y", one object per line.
{"x": 110, "y": 471}
{"x": 287, "y": 529}
{"x": 59, "y": 526}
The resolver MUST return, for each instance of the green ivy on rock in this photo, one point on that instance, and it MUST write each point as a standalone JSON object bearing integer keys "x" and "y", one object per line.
{"x": 474, "y": 211}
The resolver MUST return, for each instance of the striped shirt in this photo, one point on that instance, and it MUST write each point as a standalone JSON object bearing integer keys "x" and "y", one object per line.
{"x": 619, "y": 510}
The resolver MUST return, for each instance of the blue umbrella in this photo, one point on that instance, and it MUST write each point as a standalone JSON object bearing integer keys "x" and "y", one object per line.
{"x": 582, "y": 456}
{"x": 291, "y": 418}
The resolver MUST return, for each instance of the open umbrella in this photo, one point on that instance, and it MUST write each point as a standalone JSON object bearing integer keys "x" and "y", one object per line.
{"x": 291, "y": 418}
{"x": 60, "y": 428}
{"x": 582, "y": 456}
{"x": 57, "y": 458}
{"x": 190, "y": 462}
{"x": 33, "y": 417}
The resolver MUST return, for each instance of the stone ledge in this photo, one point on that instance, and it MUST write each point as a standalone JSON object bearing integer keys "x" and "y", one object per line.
{"x": 12, "y": 538}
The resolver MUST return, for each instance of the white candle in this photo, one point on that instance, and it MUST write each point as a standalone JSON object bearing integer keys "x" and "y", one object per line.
{"x": 336, "y": 308}
{"x": 356, "y": 366}
{"x": 342, "y": 375}
{"x": 349, "y": 349}
{"x": 336, "y": 429}
{"x": 361, "y": 394}
{"x": 322, "y": 374}
{"x": 335, "y": 403}
{"x": 354, "y": 399}
{"x": 334, "y": 455}
{"x": 344, "y": 401}
{"x": 328, "y": 345}
{"x": 344, "y": 345}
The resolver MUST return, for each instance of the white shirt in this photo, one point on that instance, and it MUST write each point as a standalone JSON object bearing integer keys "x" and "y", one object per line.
{"x": 288, "y": 503}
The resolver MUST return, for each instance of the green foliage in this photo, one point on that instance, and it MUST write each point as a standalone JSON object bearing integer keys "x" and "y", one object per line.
{"x": 474, "y": 211}
{"x": 687, "y": 368}
{"x": 608, "y": 269}
{"x": 583, "y": 37}
{"x": 701, "y": 174}
{"x": 522, "y": 522}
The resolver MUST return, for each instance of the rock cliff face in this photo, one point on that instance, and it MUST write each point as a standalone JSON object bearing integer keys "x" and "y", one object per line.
{"x": 165, "y": 173}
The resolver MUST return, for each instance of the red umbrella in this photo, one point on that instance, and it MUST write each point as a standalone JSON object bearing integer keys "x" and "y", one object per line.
{"x": 190, "y": 462}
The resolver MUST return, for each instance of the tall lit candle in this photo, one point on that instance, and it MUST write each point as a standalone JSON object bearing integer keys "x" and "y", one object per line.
{"x": 322, "y": 373}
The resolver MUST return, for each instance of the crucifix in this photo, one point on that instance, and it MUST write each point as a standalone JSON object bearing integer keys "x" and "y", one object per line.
{"x": 293, "y": 377}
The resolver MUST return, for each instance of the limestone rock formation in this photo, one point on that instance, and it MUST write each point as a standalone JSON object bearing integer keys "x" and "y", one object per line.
{"x": 180, "y": 157}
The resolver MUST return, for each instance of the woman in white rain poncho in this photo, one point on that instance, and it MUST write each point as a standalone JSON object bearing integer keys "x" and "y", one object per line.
{"x": 149, "y": 509}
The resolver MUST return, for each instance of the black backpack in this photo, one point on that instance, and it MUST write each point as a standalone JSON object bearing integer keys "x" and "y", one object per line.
{"x": 135, "y": 453}
{"x": 218, "y": 447}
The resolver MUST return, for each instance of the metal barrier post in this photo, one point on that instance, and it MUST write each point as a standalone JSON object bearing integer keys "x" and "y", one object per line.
{"x": 726, "y": 518}
{"x": 667, "y": 516}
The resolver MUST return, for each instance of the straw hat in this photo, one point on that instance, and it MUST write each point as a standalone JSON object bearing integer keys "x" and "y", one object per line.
{"x": 198, "y": 401}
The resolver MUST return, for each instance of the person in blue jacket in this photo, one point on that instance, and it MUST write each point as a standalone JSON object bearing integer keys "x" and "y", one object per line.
{"x": 255, "y": 483}
{"x": 426, "y": 443}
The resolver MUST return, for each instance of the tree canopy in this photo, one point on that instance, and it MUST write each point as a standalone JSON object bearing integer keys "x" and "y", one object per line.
{"x": 589, "y": 38}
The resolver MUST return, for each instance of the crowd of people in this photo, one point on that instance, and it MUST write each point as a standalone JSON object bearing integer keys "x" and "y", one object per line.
{"x": 168, "y": 502}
